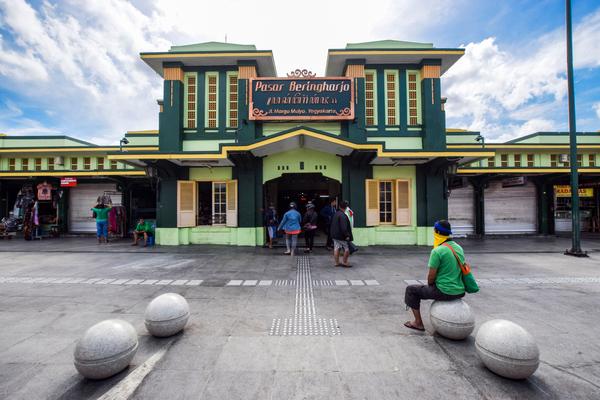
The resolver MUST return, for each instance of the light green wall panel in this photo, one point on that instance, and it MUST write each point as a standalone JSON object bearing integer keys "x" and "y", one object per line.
{"x": 204, "y": 145}
{"x": 398, "y": 143}
{"x": 135, "y": 141}
{"x": 461, "y": 139}
{"x": 42, "y": 142}
{"x": 425, "y": 235}
{"x": 210, "y": 174}
{"x": 210, "y": 235}
{"x": 311, "y": 158}
{"x": 271, "y": 128}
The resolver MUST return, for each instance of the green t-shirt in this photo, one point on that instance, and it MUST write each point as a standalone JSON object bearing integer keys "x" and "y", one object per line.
{"x": 101, "y": 213}
{"x": 145, "y": 227}
{"x": 449, "y": 276}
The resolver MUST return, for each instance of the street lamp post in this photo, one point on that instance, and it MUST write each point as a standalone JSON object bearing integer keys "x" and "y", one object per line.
{"x": 575, "y": 249}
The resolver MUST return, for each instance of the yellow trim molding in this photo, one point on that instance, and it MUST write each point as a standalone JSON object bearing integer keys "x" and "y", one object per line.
{"x": 75, "y": 149}
{"x": 370, "y": 146}
{"x": 208, "y": 55}
{"x": 393, "y": 52}
{"x": 581, "y": 170}
{"x": 73, "y": 173}
{"x": 146, "y": 132}
{"x": 522, "y": 146}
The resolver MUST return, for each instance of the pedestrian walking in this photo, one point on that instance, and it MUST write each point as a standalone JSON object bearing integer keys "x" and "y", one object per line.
{"x": 290, "y": 224}
{"x": 271, "y": 223}
{"x": 341, "y": 233}
{"x": 327, "y": 214}
{"x": 100, "y": 211}
{"x": 309, "y": 223}
{"x": 444, "y": 280}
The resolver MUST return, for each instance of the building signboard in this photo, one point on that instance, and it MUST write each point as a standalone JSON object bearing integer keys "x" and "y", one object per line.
{"x": 514, "y": 181}
{"x": 565, "y": 191}
{"x": 311, "y": 98}
{"x": 68, "y": 182}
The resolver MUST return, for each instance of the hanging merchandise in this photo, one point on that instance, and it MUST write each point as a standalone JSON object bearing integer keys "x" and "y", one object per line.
{"x": 117, "y": 221}
{"x": 44, "y": 191}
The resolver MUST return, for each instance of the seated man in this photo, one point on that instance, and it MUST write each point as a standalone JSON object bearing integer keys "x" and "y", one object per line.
{"x": 444, "y": 281}
{"x": 142, "y": 230}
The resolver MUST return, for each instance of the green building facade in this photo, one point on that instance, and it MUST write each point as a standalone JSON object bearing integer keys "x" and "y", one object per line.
{"x": 218, "y": 160}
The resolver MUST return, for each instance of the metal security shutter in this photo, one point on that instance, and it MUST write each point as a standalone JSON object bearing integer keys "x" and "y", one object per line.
{"x": 461, "y": 210}
{"x": 82, "y": 198}
{"x": 510, "y": 210}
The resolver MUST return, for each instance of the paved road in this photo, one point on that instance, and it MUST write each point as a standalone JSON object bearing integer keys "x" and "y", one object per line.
{"x": 244, "y": 342}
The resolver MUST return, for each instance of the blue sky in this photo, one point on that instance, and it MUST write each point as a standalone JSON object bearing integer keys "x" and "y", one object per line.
{"x": 72, "y": 67}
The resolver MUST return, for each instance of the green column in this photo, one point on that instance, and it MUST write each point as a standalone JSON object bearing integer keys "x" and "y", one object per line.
{"x": 434, "y": 125}
{"x": 479, "y": 200}
{"x": 432, "y": 200}
{"x": 166, "y": 206}
{"x": 248, "y": 172}
{"x": 355, "y": 170}
{"x": 247, "y": 131}
{"x": 170, "y": 120}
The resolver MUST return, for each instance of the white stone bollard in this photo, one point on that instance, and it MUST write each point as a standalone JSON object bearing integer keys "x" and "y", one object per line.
{"x": 507, "y": 349}
{"x": 167, "y": 314}
{"x": 452, "y": 319}
{"x": 106, "y": 349}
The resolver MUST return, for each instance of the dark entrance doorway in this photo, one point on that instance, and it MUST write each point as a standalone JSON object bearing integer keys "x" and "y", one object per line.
{"x": 302, "y": 188}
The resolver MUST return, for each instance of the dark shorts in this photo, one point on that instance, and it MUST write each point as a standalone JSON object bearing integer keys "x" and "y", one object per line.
{"x": 415, "y": 293}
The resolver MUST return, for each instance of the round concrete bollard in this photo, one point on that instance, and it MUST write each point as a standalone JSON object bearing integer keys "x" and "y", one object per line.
{"x": 167, "y": 314}
{"x": 507, "y": 349}
{"x": 452, "y": 319}
{"x": 105, "y": 349}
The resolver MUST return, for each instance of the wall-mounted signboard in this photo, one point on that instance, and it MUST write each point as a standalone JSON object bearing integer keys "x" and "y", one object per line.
{"x": 273, "y": 99}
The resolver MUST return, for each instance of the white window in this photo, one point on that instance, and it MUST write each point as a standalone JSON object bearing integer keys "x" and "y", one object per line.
{"x": 388, "y": 202}
{"x": 219, "y": 203}
{"x": 190, "y": 100}
{"x": 370, "y": 97}
{"x": 212, "y": 100}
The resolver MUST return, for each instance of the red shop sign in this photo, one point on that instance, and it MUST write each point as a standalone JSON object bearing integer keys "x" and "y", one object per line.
{"x": 68, "y": 182}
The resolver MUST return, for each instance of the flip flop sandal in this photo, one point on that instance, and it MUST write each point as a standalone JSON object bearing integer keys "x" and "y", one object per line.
{"x": 346, "y": 266}
{"x": 409, "y": 325}
{"x": 337, "y": 265}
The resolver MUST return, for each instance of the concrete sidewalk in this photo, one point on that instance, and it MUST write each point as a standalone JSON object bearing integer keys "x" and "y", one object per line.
{"x": 491, "y": 244}
{"x": 52, "y": 291}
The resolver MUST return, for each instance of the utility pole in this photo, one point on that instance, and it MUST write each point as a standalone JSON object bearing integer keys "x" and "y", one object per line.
{"x": 575, "y": 249}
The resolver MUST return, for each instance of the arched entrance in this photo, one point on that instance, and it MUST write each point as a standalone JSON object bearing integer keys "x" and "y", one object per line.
{"x": 302, "y": 188}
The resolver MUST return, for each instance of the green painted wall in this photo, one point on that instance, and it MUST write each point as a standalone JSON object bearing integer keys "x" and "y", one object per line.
{"x": 432, "y": 204}
{"x": 393, "y": 236}
{"x": 139, "y": 140}
{"x": 271, "y": 128}
{"x": 97, "y": 163}
{"x": 210, "y": 174}
{"x": 290, "y": 160}
{"x": 398, "y": 143}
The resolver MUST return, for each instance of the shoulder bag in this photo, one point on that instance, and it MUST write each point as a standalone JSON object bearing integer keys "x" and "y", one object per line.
{"x": 467, "y": 276}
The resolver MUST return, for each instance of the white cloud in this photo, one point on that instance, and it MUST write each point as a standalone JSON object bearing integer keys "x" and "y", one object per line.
{"x": 596, "y": 107}
{"x": 505, "y": 95}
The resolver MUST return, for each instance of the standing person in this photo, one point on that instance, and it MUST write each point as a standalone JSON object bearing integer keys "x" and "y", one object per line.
{"x": 290, "y": 224}
{"x": 101, "y": 211}
{"x": 142, "y": 230}
{"x": 327, "y": 213}
{"x": 341, "y": 233}
{"x": 309, "y": 222}
{"x": 444, "y": 280}
{"x": 271, "y": 223}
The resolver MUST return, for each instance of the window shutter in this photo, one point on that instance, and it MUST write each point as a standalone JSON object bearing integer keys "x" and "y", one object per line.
{"x": 186, "y": 203}
{"x": 403, "y": 202}
{"x": 372, "y": 201}
{"x": 232, "y": 203}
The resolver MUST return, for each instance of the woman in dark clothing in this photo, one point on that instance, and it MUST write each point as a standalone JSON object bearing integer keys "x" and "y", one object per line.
{"x": 309, "y": 223}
